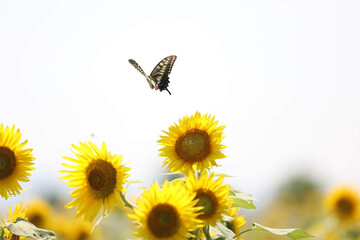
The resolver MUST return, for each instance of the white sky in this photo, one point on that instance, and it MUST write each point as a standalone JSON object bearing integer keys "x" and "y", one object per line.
{"x": 283, "y": 76}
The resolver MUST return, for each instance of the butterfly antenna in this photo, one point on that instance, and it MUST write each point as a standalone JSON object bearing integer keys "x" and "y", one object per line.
{"x": 168, "y": 91}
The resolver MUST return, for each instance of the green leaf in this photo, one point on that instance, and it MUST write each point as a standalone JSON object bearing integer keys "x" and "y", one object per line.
{"x": 299, "y": 234}
{"x": 221, "y": 175}
{"x": 239, "y": 194}
{"x": 23, "y": 228}
{"x": 237, "y": 202}
{"x": 2, "y": 234}
{"x": 292, "y": 233}
{"x": 222, "y": 232}
{"x": 227, "y": 218}
{"x": 241, "y": 199}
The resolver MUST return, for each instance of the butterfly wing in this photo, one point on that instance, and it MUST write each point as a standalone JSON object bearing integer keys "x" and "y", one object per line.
{"x": 136, "y": 65}
{"x": 161, "y": 72}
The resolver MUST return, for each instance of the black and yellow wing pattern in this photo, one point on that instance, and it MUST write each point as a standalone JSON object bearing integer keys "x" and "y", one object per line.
{"x": 160, "y": 75}
{"x": 161, "y": 72}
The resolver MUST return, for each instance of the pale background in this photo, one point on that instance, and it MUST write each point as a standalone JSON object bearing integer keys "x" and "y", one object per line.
{"x": 283, "y": 76}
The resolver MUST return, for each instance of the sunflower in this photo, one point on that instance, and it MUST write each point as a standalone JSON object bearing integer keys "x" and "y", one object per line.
{"x": 167, "y": 213}
{"x": 62, "y": 226}
{"x": 98, "y": 178}
{"x": 39, "y": 213}
{"x": 81, "y": 230}
{"x": 19, "y": 211}
{"x": 15, "y": 162}
{"x": 236, "y": 224}
{"x": 212, "y": 196}
{"x": 67, "y": 227}
{"x": 192, "y": 145}
{"x": 344, "y": 201}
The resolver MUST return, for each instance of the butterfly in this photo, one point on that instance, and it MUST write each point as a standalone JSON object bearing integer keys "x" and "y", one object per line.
{"x": 159, "y": 77}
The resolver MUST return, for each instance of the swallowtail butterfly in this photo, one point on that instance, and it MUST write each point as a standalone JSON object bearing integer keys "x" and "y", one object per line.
{"x": 160, "y": 75}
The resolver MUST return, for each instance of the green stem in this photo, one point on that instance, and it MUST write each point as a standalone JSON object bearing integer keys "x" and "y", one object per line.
{"x": 247, "y": 230}
{"x": 197, "y": 234}
{"x": 2, "y": 233}
{"x": 207, "y": 233}
{"x": 125, "y": 201}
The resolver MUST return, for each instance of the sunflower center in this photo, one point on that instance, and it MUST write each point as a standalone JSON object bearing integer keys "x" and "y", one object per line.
{"x": 37, "y": 220}
{"x": 208, "y": 201}
{"x": 15, "y": 237}
{"x": 7, "y": 162}
{"x": 193, "y": 146}
{"x": 163, "y": 220}
{"x": 101, "y": 176}
{"x": 83, "y": 236}
{"x": 345, "y": 206}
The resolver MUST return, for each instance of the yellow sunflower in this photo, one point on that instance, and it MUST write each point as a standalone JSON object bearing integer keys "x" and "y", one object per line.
{"x": 167, "y": 213}
{"x": 80, "y": 230}
{"x": 344, "y": 201}
{"x": 62, "y": 226}
{"x": 39, "y": 213}
{"x": 19, "y": 211}
{"x": 192, "y": 145}
{"x": 237, "y": 222}
{"x": 98, "y": 178}
{"x": 212, "y": 196}
{"x": 15, "y": 162}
